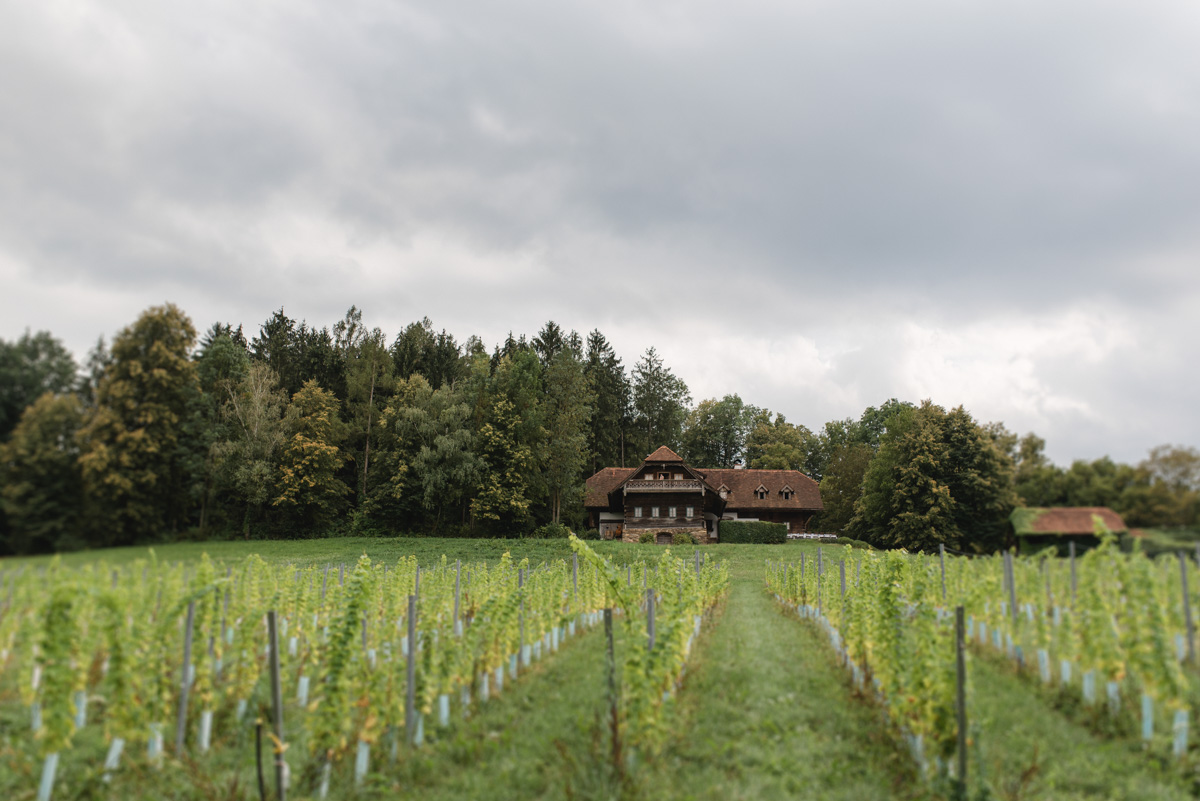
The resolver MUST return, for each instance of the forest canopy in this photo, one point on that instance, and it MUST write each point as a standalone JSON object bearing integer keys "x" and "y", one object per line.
{"x": 301, "y": 431}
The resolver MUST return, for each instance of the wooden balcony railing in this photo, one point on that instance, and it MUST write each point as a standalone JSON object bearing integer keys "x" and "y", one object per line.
{"x": 660, "y": 485}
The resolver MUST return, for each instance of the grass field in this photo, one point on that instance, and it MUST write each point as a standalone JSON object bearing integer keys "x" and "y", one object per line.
{"x": 765, "y": 712}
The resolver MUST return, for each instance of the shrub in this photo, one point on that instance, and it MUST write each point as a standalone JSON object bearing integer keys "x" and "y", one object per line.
{"x": 739, "y": 531}
{"x": 589, "y": 534}
{"x": 647, "y": 538}
{"x": 551, "y": 531}
{"x": 853, "y": 542}
{"x": 682, "y": 538}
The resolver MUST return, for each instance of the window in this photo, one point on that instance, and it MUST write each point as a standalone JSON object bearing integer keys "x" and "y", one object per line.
{"x": 724, "y": 494}
{"x": 787, "y": 495}
{"x": 637, "y": 511}
{"x": 691, "y": 511}
{"x": 679, "y": 476}
{"x": 654, "y": 511}
{"x": 761, "y": 493}
{"x": 672, "y": 511}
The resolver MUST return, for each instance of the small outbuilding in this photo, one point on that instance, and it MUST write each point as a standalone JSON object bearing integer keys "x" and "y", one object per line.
{"x": 1038, "y": 528}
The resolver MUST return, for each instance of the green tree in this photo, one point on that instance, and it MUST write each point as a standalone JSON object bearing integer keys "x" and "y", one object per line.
{"x": 436, "y": 463}
{"x": 249, "y": 456}
{"x": 660, "y": 405}
{"x": 715, "y": 432}
{"x": 567, "y": 409}
{"x": 221, "y": 363}
{"x": 777, "y": 444}
{"x": 134, "y": 449}
{"x": 419, "y": 350}
{"x": 41, "y": 489}
{"x": 937, "y": 477}
{"x": 1038, "y": 482}
{"x": 842, "y": 485}
{"x": 548, "y": 343}
{"x": 502, "y": 501}
{"x": 370, "y": 379}
{"x": 32, "y": 365}
{"x": 308, "y": 484}
{"x": 610, "y": 419}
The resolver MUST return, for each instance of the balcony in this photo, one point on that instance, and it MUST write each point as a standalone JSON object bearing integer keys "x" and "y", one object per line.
{"x": 664, "y": 485}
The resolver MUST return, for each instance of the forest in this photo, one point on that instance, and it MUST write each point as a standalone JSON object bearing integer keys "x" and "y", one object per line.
{"x": 302, "y": 431}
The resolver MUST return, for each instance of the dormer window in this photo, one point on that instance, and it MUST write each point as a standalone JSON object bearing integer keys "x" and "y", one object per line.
{"x": 761, "y": 493}
{"x": 723, "y": 491}
{"x": 786, "y": 492}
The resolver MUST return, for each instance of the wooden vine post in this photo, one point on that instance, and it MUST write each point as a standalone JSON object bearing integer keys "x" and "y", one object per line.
{"x": 185, "y": 684}
{"x": 410, "y": 697}
{"x": 277, "y": 705}
{"x": 942, "y": 559}
{"x": 1187, "y": 610}
{"x": 960, "y": 703}
{"x": 650, "y": 617}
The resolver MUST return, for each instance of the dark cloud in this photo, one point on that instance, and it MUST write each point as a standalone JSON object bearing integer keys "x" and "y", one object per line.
{"x": 870, "y": 199}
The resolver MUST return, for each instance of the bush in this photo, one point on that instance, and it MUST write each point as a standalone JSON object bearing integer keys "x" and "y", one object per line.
{"x": 551, "y": 531}
{"x": 647, "y": 538}
{"x": 589, "y": 534}
{"x": 757, "y": 531}
{"x": 853, "y": 542}
{"x": 682, "y": 538}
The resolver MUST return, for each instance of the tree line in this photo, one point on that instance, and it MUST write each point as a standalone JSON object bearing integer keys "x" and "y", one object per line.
{"x": 305, "y": 431}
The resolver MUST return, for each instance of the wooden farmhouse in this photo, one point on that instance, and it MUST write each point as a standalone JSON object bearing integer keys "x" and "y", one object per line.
{"x": 665, "y": 495}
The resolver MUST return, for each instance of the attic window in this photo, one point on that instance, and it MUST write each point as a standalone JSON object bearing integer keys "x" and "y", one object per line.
{"x": 723, "y": 491}
{"x": 786, "y": 492}
{"x": 761, "y": 493}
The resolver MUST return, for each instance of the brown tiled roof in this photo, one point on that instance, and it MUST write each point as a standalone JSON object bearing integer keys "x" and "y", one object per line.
{"x": 604, "y": 482}
{"x": 806, "y": 493}
{"x": 664, "y": 454}
{"x": 742, "y": 484}
{"x": 1065, "y": 520}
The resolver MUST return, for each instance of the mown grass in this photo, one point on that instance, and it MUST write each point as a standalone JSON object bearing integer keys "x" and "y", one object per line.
{"x": 764, "y": 712}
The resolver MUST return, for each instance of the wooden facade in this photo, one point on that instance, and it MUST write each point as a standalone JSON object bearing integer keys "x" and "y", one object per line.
{"x": 665, "y": 495}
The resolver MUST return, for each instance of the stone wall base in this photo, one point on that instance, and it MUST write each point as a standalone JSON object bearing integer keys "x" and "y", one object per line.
{"x": 634, "y": 534}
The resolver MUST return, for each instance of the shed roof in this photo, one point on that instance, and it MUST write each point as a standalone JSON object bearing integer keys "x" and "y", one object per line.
{"x": 1065, "y": 520}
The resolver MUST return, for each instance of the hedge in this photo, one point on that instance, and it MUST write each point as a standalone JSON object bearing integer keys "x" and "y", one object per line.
{"x": 752, "y": 531}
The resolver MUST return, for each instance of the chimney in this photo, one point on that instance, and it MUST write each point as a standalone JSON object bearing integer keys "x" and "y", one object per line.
{"x": 737, "y": 465}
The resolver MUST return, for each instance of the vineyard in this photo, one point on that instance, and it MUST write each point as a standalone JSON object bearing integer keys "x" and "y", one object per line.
{"x": 347, "y": 666}
{"x": 240, "y": 675}
{"x": 1111, "y": 631}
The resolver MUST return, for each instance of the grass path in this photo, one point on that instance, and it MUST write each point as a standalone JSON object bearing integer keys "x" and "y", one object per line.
{"x": 765, "y": 714}
{"x": 531, "y": 742}
{"x": 1033, "y": 751}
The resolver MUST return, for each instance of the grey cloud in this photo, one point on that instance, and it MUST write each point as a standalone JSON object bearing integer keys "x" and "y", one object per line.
{"x": 786, "y": 168}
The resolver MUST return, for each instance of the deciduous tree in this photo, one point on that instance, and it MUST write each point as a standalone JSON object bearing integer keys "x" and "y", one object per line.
{"x": 134, "y": 449}
{"x": 308, "y": 484}
{"x": 30, "y": 366}
{"x": 41, "y": 489}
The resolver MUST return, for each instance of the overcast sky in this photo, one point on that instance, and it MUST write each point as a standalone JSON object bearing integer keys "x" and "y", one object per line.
{"x": 817, "y": 205}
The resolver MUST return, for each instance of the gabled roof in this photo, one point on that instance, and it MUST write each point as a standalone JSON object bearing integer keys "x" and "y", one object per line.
{"x": 743, "y": 484}
{"x": 604, "y": 482}
{"x": 663, "y": 454}
{"x": 1065, "y": 520}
